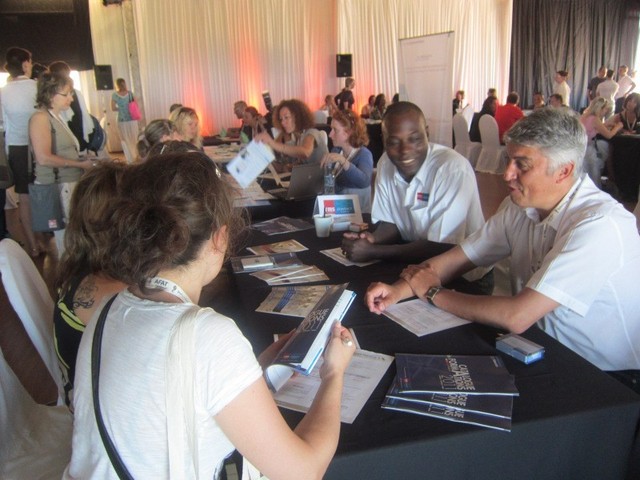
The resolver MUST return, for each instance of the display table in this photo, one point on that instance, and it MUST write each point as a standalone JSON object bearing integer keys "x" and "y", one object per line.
{"x": 570, "y": 421}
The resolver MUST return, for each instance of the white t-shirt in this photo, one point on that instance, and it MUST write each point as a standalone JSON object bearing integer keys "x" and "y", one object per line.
{"x": 440, "y": 204}
{"x": 132, "y": 388}
{"x": 563, "y": 89}
{"x": 18, "y": 104}
{"x": 624, "y": 83}
{"x": 586, "y": 256}
{"x": 608, "y": 90}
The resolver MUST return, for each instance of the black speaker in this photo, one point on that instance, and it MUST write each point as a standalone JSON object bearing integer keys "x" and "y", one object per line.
{"x": 104, "y": 77}
{"x": 343, "y": 65}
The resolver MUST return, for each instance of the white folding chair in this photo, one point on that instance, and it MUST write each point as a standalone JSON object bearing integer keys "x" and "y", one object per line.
{"x": 464, "y": 146}
{"x": 324, "y": 137}
{"x": 36, "y": 439}
{"x": 32, "y": 303}
{"x": 467, "y": 113}
{"x": 320, "y": 116}
{"x": 492, "y": 157}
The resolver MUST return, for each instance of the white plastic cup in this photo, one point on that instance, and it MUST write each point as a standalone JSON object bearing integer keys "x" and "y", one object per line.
{"x": 323, "y": 225}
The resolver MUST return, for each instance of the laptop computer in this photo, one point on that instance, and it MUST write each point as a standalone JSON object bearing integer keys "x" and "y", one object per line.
{"x": 306, "y": 181}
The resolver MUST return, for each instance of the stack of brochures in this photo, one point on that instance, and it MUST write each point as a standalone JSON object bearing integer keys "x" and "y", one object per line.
{"x": 474, "y": 389}
{"x": 253, "y": 263}
{"x": 278, "y": 268}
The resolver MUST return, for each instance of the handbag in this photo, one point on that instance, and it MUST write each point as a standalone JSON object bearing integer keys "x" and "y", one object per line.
{"x": 46, "y": 207}
{"x": 96, "y": 347}
{"x": 44, "y": 200}
{"x": 134, "y": 109}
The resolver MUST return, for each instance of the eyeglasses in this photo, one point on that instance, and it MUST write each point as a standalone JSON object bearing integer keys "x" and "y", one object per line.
{"x": 68, "y": 94}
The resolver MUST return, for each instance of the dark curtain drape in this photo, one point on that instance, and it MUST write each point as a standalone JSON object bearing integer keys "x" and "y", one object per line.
{"x": 51, "y": 30}
{"x": 574, "y": 35}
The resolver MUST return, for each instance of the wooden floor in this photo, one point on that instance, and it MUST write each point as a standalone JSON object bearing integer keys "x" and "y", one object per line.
{"x": 25, "y": 361}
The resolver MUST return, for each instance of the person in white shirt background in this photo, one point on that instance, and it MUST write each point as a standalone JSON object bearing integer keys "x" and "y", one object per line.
{"x": 626, "y": 86}
{"x": 18, "y": 99}
{"x": 561, "y": 87}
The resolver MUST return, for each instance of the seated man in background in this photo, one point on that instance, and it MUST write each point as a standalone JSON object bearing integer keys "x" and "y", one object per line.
{"x": 575, "y": 253}
{"x": 238, "y": 109}
{"x": 508, "y": 114}
{"x": 426, "y": 195}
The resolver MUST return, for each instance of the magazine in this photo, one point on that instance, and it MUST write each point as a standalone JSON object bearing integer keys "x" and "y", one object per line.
{"x": 303, "y": 350}
{"x": 470, "y": 374}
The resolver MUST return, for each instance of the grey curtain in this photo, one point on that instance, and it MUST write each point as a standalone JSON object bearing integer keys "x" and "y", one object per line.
{"x": 574, "y": 35}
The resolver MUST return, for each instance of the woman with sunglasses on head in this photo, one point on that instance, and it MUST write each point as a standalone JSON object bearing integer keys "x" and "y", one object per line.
{"x": 55, "y": 148}
{"x": 352, "y": 161}
{"x": 180, "y": 387}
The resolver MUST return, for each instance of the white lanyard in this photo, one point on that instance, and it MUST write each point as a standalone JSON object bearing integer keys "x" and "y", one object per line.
{"x": 168, "y": 286}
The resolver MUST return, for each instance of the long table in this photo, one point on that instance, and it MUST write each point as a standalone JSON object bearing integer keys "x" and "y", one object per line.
{"x": 571, "y": 420}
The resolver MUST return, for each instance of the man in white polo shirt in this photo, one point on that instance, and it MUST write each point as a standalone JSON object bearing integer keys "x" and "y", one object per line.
{"x": 426, "y": 196}
{"x": 575, "y": 253}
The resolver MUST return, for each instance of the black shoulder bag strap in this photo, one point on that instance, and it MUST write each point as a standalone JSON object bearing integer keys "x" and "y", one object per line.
{"x": 96, "y": 347}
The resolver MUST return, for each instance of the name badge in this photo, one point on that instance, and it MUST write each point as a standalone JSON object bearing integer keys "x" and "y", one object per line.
{"x": 422, "y": 197}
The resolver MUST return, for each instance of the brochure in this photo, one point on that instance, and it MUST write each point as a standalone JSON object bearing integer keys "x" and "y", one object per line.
{"x": 447, "y": 413}
{"x": 298, "y": 274}
{"x": 495, "y": 405}
{"x": 292, "y": 301}
{"x": 363, "y": 374}
{"x": 250, "y": 163}
{"x": 336, "y": 254}
{"x": 470, "y": 374}
{"x": 421, "y": 318}
{"x": 303, "y": 350}
{"x": 278, "y": 247}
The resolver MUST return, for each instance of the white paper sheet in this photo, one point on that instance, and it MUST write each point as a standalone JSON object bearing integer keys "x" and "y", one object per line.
{"x": 421, "y": 318}
{"x": 360, "y": 380}
{"x": 336, "y": 254}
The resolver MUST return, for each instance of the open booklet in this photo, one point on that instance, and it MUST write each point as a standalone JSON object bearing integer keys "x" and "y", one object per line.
{"x": 303, "y": 350}
{"x": 250, "y": 162}
{"x": 361, "y": 378}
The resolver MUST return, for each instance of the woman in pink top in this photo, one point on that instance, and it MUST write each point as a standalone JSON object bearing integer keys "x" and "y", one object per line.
{"x": 598, "y": 148}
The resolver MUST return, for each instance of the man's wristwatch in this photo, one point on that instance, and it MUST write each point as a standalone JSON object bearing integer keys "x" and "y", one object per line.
{"x": 431, "y": 294}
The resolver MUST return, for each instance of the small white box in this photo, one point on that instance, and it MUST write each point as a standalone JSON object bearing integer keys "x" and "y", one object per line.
{"x": 520, "y": 348}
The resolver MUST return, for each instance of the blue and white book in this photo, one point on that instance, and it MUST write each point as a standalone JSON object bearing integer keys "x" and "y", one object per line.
{"x": 305, "y": 347}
